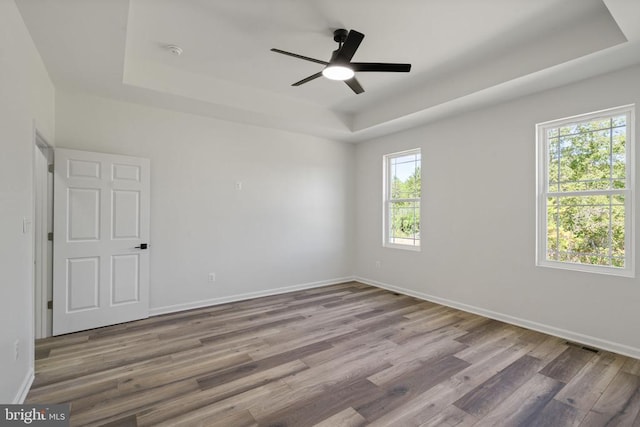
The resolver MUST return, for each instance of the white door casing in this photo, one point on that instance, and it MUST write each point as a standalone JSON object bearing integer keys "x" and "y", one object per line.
{"x": 101, "y": 219}
{"x": 43, "y": 248}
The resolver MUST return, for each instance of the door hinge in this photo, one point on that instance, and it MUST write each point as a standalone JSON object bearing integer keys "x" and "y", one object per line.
{"x": 50, "y": 305}
{"x": 50, "y": 236}
{"x": 50, "y": 167}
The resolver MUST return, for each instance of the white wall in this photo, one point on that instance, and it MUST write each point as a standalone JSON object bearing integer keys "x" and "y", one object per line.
{"x": 478, "y": 220}
{"x": 26, "y": 98}
{"x": 291, "y": 224}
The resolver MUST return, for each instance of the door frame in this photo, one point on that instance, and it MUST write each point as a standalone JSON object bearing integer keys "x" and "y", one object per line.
{"x": 43, "y": 223}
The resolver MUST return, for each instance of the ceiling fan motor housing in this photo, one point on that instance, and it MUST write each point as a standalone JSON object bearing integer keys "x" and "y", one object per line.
{"x": 340, "y": 35}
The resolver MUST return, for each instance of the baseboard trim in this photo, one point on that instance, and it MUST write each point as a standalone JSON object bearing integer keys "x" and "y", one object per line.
{"x": 240, "y": 297}
{"x": 24, "y": 388}
{"x": 547, "y": 329}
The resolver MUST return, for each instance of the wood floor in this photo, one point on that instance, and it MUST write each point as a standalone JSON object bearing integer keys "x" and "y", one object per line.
{"x": 344, "y": 355}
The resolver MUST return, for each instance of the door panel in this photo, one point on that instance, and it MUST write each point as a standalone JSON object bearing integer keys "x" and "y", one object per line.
{"x": 83, "y": 169}
{"x": 101, "y": 216}
{"x": 125, "y": 279}
{"x": 126, "y": 214}
{"x": 82, "y": 283}
{"x": 83, "y": 214}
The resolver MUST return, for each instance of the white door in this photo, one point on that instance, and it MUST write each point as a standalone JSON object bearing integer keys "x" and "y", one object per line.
{"x": 100, "y": 240}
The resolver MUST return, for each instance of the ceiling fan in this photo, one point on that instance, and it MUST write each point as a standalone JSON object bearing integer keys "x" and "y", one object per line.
{"x": 340, "y": 66}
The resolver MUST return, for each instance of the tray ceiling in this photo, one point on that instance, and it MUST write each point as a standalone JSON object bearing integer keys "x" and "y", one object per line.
{"x": 465, "y": 54}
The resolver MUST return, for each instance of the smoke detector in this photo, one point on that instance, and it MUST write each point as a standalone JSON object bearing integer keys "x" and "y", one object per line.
{"x": 175, "y": 50}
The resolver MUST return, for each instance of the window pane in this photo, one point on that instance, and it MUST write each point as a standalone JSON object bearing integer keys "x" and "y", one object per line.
{"x": 552, "y": 164}
{"x": 405, "y": 177}
{"x": 586, "y": 229}
{"x": 585, "y": 161}
{"x": 583, "y": 127}
{"x": 619, "y": 120}
{"x": 618, "y": 157}
{"x": 587, "y": 156}
{"x": 553, "y": 237}
{"x": 404, "y": 223}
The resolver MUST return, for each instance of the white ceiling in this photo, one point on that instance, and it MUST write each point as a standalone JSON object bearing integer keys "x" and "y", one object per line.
{"x": 464, "y": 54}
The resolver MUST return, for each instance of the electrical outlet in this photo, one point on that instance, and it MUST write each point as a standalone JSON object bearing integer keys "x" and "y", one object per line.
{"x": 212, "y": 277}
{"x": 16, "y": 346}
{"x": 378, "y": 264}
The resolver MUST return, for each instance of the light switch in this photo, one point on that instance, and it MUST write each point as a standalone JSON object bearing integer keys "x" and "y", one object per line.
{"x": 26, "y": 225}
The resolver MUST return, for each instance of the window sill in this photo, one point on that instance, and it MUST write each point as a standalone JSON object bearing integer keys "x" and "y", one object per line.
{"x": 595, "y": 269}
{"x": 402, "y": 247}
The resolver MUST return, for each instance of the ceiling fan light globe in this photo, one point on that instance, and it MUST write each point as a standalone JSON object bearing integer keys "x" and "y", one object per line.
{"x": 338, "y": 72}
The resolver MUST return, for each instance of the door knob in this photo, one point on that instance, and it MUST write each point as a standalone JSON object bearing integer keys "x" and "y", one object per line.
{"x": 142, "y": 246}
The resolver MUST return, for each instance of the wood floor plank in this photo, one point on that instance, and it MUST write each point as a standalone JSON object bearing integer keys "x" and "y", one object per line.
{"x": 406, "y": 361}
{"x": 99, "y": 409}
{"x": 362, "y": 295}
{"x": 196, "y": 367}
{"x": 340, "y": 355}
{"x": 128, "y": 421}
{"x": 484, "y": 331}
{"x": 451, "y": 416}
{"x": 213, "y": 394}
{"x": 346, "y": 418}
{"x": 224, "y": 409}
{"x": 213, "y": 402}
{"x": 255, "y": 329}
{"x": 556, "y": 413}
{"x": 437, "y": 399}
{"x": 83, "y": 385}
{"x": 336, "y": 399}
{"x": 241, "y": 418}
{"x": 411, "y": 384}
{"x": 619, "y": 404}
{"x": 568, "y": 363}
{"x": 548, "y": 349}
{"x": 418, "y": 328}
{"x": 323, "y": 386}
{"x": 389, "y": 307}
{"x": 523, "y": 404}
{"x": 482, "y": 399}
{"x": 586, "y": 387}
{"x": 361, "y": 362}
{"x": 250, "y": 367}
{"x": 487, "y": 349}
{"x": 279, "y": 344}
{"x": 89, "y": 365}
{"x": 347, "y": 347}
{"x": 632, "y": 366}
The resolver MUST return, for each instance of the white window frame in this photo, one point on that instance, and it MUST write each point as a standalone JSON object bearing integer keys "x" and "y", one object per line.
{"x": 543, "y": 193}
{"x": 387, "y": 200}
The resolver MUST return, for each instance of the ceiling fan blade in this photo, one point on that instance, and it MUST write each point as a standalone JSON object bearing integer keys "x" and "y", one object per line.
{"x": 354, "y": 85}
{"x": 381, "y": 66}
{"x": 295, "y": 55}
{"x": 350, "y": 45}
{"x": 308, "y": 79}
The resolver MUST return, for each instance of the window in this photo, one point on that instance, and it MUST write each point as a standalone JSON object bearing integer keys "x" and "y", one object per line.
{"x": 585, "y": 192}
{"x": 402, "y": 199}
